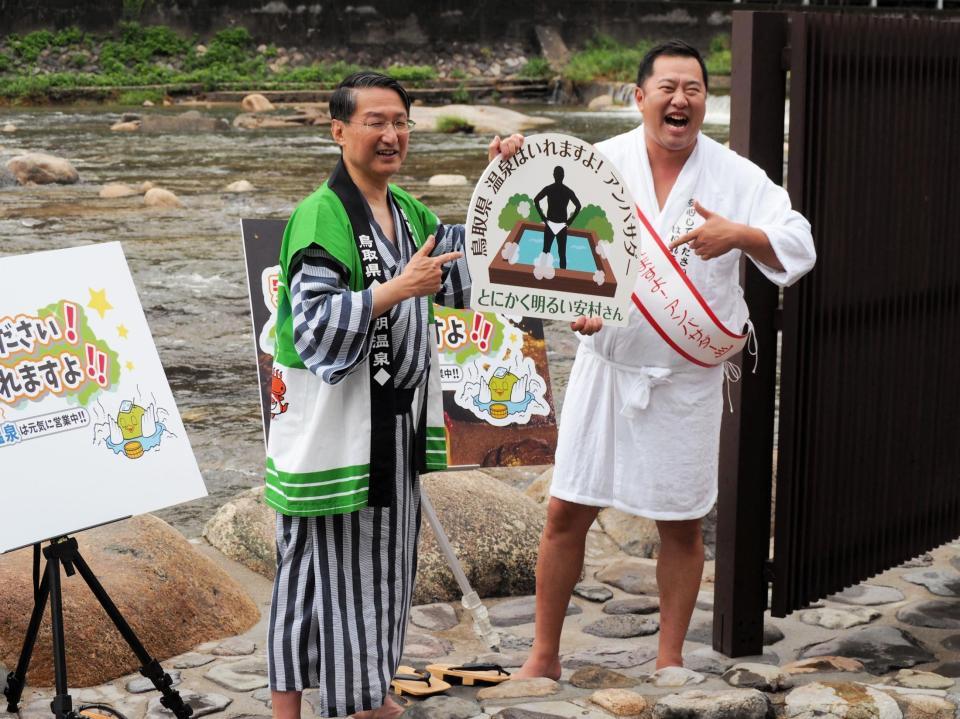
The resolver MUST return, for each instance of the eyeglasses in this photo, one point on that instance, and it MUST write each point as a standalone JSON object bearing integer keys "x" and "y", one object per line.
{"x": 402, "y": 127}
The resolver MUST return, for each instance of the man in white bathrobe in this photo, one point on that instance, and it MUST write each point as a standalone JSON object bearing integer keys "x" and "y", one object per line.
{"x": 640, "y": 426}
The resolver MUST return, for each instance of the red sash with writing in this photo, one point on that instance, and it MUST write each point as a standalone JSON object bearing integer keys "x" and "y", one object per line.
{"x": 676, "y": 309}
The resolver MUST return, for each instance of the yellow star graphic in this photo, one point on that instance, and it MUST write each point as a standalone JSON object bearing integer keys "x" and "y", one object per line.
{"x": 513, "y": 338}
{"x": 98, "y": 301}
{"x": 122, "y": 331}
{"x": 130, "y": 366}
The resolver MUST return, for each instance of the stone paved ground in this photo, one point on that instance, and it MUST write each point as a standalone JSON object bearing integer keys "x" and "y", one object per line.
{"x": 908, "y": 617}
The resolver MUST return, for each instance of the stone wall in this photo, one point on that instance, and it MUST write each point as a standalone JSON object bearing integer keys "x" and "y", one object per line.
{"x": 395, "y": 22}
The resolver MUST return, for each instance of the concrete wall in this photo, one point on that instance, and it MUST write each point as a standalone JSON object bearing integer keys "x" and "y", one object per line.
{"x": 329, "y": 23}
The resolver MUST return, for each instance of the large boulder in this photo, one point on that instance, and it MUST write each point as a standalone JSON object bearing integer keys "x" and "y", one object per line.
{"x": 484, "y": 118}
{"x": 244, "y": 529}
{"x": 172, "y": 596}
{"x": 635, "y": 535}
{"x": 494, "y": 530}
{"x": 255, "y": 102}
{"x": 42, "y": 169}
{"x": 185, "y": 123}
{"x": 159, "y": 197}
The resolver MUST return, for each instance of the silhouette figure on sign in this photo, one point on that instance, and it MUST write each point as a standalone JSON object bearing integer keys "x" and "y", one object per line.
{"x": 559, "y": 196}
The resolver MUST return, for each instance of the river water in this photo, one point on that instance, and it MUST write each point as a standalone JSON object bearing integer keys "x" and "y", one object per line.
{"x": 187, "y": 263}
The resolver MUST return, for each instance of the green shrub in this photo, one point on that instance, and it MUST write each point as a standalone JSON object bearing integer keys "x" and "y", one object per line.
{"x": 69, "y": 37}
{"x": 138, "y": 97}
{"x": 605, "y": 59}
{"x": 536, "y": 68}
{"x": 718, "y": 60}
{"x": 30, "y": 47}
{"x": 77, "y": 59}
{"x": 5, "y": 63}
{"x": 411, "y": 73}
{"x": 461, "y": 95}
{"x": 458, "y": 74}
{"x": 451, "y": 124}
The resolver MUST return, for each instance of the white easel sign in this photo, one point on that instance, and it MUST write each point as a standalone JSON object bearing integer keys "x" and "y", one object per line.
{"x": 89, "y": 432}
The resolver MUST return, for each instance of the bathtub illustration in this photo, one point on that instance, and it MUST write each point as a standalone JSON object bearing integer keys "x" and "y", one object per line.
{"x": 521, "y": 261}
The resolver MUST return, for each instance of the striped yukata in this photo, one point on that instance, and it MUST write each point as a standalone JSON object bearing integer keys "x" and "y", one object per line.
{"x": 344, "y": 582}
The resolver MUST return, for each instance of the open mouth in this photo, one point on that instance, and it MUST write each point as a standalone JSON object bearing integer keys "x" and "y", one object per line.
{"x": 677, "y": 120}
{"x": 387, "y": 153}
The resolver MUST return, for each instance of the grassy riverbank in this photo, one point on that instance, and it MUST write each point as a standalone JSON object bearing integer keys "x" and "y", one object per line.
{"x": 145, "y": 62}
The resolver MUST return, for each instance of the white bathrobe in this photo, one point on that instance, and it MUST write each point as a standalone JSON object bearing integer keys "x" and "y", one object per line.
{"x": 640, "y": 427}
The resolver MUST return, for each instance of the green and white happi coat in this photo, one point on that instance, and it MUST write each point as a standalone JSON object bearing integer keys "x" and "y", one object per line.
{"x": 345, "y": 573}
{"x": 332, "y": 449}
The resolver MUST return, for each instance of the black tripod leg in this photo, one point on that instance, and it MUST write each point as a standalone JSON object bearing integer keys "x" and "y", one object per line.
{"x": 17, "y": 680}
{"x": 61, "y": 705}
{"x": 150, "y": 667}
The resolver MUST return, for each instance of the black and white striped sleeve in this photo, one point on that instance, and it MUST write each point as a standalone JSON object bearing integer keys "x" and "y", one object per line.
{"x": 455, "y": 290}
{"x": 331, "y": 324}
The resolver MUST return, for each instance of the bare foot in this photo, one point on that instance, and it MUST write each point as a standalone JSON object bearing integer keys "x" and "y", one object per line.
{"x": 535, "y": 667}
{"x": 389, "y": 710}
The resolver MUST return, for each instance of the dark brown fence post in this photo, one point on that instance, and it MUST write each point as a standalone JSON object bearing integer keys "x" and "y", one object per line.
{"x": 746, "y": 441}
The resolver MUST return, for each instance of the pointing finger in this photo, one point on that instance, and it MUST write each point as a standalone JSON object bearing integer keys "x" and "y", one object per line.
{"x": 427, "y": 247}
{"x": 684, "y": 239}
{"x": 702, "y": 211}
{"x": 448, "y": 257}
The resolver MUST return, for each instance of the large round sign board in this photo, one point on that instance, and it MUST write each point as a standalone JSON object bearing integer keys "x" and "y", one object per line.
{"x": 553, "y": 232}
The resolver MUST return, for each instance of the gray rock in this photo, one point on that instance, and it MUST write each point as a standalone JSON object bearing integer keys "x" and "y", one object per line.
{"x": 521, "y": 610}
{"x": 636, "y": 576}
{"x": 707, "y": 661}
{"x": 764, "y": 677}
{"x": 730, "y": 704}
{"x": 637, "y": 536}
{"x": 503, "y": 660}
{"x": 952, "y": 643}
{"x": 705, "y": 601}
{"x": 32, "y": 223}
{"x": 914, "y": 679}
{"x": 192, "y": 660}
{"x": 442, "y": 707}
{"x": 880, "y": 648}
{"x": 593, "y": 592}
{"x": 941, "y": 583}
{"x": 924, "y": 560}
{"x": 633, "y": 605}
{"x": 434, "y": 617}
{"x": 264, "y": 695}
{"x": 868, "y": 595}
{"x": 202, "y": 705}
{"x": 6, "y": 178}
{"x": 245, "y": 533}
{"x": 242, "y": 676}
{"x": 424, "y": 646}
{"x": 601, "y": 678}
{"x": 513, "y": 643}
{"x": 623, "y": 626}
{"x": 703, "y": 633}
{"x": 830, "y": 618}
{"x": 142, "y": 684}
{"x": 949, "y": 669}
{"x": 42, "y": 169}
{"x": 235, "y": 647}
{"x": 516, "y": 688}
{"x": 839, "y": 700}
{"x": 936, "y": 613}
{"x": 676, "y": 677}
{"x": 608, "y": 657}
{"x": 494, "y": 529}
{"x": 185, "y": 123}
{"x": 517, "y": 713}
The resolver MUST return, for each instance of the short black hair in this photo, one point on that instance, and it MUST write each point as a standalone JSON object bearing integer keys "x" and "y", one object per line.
{"x": 670, "y": 48}
{"x": 343, "y": 102}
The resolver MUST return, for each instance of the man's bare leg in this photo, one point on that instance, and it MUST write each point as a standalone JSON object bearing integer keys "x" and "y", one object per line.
{"x": 558, "y": 570}
{"x": 286, "y": 705}
{"x": 679, "y": 572}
